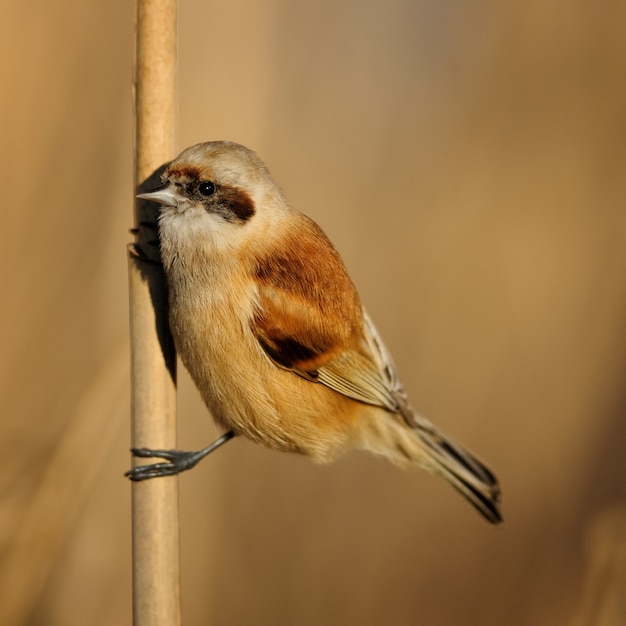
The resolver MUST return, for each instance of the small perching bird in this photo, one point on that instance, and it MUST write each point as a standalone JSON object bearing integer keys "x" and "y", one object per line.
{"x": 271, "y": 328}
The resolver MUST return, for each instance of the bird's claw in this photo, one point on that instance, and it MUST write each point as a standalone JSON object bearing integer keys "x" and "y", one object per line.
{"x": 177, "y": 461}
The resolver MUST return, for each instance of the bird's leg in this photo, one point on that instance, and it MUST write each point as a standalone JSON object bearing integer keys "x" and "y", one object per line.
{"x": 177, "y": 460}
{"x": 136, "y": 250}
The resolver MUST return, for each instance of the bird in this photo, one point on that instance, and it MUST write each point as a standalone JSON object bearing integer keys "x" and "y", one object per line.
{"x": 273, "y": 333}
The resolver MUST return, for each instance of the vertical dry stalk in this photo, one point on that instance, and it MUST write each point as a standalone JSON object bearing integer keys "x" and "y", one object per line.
{"x": 155, "y": 526}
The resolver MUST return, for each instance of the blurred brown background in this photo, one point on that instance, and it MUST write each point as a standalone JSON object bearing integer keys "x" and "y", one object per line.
{"x": 468, "y": 159}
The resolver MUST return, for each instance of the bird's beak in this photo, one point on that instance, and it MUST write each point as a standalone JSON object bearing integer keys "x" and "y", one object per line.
{"x": 165, "y": 194}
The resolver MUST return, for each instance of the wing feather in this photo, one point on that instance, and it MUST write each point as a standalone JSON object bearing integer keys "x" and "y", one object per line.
{"x": 310, "y": 321}
{"x": 357, "y": 377}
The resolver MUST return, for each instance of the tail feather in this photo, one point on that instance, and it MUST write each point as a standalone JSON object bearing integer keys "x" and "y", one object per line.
{"x": 407, "y": 439}
{"x": 463, "y": 471}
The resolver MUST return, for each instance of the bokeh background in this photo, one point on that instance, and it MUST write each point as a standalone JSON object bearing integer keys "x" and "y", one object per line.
{"x": 468, "y": 159}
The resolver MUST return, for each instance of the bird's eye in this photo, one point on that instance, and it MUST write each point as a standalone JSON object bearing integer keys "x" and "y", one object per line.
{"x": 206, "y": 188}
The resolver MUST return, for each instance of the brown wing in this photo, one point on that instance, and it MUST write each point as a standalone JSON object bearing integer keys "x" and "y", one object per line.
{"x": 310, "y": 319}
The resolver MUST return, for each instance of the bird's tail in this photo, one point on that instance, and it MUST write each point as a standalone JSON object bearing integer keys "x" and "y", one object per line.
{"x": 422, "y": 444}
{"x": 463, "y": 471}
